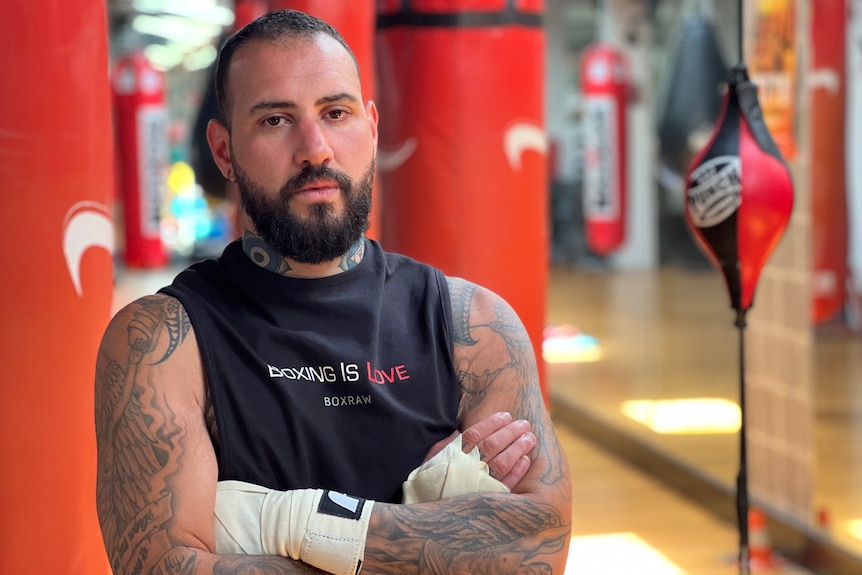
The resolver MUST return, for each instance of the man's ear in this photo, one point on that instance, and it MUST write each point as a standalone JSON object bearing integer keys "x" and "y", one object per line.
{"x": 371, "y": 112}
{"x": 218, "y": 138}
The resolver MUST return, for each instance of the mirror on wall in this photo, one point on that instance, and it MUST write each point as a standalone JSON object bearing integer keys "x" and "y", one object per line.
{"x": 652, "y": 352}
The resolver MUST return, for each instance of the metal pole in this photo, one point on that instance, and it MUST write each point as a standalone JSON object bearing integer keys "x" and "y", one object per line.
{"x": 742, "y": 477}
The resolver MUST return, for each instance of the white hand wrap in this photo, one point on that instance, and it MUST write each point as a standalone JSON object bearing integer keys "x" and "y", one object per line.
{"x": 449, "y": 473}
{"x": 325, "y": 529}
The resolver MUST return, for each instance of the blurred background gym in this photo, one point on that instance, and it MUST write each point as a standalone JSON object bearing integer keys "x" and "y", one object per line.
{"x": 109, "y": 191}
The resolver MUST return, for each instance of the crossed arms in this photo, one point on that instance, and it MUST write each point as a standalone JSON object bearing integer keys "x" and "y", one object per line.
{"x": 157, "y": 472}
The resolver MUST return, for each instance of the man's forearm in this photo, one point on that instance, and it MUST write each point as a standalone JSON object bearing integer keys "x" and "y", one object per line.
{"x": 191, "y": 561}
{"x": 328, "y": 529}
{"x": 486, "y": 533}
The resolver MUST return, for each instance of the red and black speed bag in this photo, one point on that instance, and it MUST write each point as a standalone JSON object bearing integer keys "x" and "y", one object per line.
{"x": 739, "y": 192}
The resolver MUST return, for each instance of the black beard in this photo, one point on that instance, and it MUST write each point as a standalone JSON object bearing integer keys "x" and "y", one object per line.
{"x": 323, "y": 235}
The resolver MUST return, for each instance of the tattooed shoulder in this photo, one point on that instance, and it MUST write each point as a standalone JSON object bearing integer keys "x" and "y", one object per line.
{"x": 493, "y": 353}
{"x": 155, "y": 327}
{"x": 460, "y": 298}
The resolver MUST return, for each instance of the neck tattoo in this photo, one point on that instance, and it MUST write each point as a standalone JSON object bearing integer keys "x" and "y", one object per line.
{"x": 353, "y": 256}
{"x": 264, "y": 256}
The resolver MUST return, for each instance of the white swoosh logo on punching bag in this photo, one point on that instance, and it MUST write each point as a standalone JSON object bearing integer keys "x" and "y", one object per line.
{"x": 825, "y": 78}
{"x": 522, "y": 137}
{"x": 87, "y": 225}
{"x": 519, "y": 138}
{"x": 391, "y": 160}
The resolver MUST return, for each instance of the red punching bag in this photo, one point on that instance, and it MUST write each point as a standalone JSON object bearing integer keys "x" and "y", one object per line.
{"x": 355, "y": 22}
{"x": 56, "y": 158}
{"x": 829, "y": 202}
{"x": 739, "y": 192}
{"x": 247, "y": 10}
{"x": 462, "y": 145}
{"x": 605, "y": 87}
{"x": 141, "y": 116}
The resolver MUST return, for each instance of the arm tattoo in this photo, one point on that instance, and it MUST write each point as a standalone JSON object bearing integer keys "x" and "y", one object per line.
{"x": 177, "y": 562}
{"x": 519, "y": 362}
{"x": 177, "y": 323}
{"x": 506, "y": 536}
{"x": 256, "y": 565}
{"x": 500, "y": 540}
{"x": 185, "y": 561}
{"x": 461, "y": 294}
{"x": 137, "y": 434}
{"x": 141, "y": 447}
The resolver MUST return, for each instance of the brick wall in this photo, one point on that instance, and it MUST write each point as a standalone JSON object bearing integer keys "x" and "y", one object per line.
{"x": 779, "y": 344}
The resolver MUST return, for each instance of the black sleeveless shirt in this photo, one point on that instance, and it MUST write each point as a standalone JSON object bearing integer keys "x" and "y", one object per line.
{"x": 339, "y": 383}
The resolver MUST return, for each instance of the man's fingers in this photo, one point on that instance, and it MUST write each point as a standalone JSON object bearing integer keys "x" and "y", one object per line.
{"x": 505, "y": 462}
{"x": 504, "y": 445}
{"x": 477, "y": 434}
{"x": 497, "y": 442}
{"x": 518, "y": 472}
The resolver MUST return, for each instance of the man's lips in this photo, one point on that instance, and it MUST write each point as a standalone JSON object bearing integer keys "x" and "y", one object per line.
{"x": 318, "y": 190}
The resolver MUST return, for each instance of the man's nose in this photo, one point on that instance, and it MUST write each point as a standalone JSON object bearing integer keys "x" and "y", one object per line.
{"x": 312, "y": 145}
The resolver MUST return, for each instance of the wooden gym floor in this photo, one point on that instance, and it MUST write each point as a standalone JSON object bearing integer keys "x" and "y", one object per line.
{"x": 670, "y": 334}
{"x": 626, "y": 522}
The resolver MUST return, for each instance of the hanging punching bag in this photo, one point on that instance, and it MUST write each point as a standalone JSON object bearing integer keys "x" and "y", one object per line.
{"x": 739, "y": 192}
{"x": 462, "y": 143}
{"x": 355, "y": 22}
{"x": 694, "y": 99}
{"x": 56, "y": 158}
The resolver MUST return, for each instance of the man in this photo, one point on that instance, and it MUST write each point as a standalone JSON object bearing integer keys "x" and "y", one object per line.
{"x": 305, "y": 361}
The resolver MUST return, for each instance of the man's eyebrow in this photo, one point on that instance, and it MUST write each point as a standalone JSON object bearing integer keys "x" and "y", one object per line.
{"x": 271, "y": 105}
{"x": 342, "y": 97}
{"x": 290, "y": 104}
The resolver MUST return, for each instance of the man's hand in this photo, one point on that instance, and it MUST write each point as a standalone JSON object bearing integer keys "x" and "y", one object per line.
{"x": 322, "y": 528}
{"x": 504, "y": 445}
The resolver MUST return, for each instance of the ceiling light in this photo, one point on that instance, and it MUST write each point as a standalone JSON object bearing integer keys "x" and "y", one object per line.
{"x": 201, "y": 59}
{"x": 204, "y": 10}
{"x": 164, "y": 57}
{"x": 176, "y": 28}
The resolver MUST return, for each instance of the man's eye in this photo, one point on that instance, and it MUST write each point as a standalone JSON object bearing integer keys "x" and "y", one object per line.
{"x": 336, "y": 114}
{"x": 274, "y": 121}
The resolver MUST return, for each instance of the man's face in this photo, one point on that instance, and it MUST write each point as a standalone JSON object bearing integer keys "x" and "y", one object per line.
{"x": 321, "y": 235}
{"x": 302, "y": 146}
